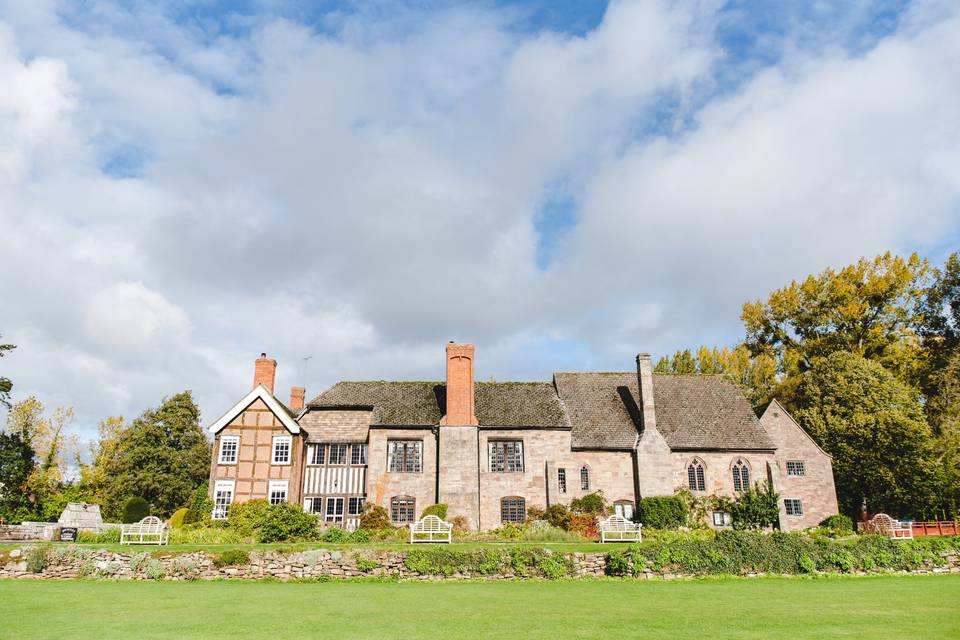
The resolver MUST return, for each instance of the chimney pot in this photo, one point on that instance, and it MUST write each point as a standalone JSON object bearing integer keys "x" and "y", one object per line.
{"x": 264, "y": 372}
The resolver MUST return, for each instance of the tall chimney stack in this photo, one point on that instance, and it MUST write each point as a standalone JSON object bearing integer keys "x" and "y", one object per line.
{"x": 264, "y": 372}
{"x": 296, "y": 398}
{"x": 645, "y": 383}
{"x": 460, "y": 399}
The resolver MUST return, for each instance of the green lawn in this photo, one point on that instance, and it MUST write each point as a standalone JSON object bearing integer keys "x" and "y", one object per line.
{"x": 875, "y": 607}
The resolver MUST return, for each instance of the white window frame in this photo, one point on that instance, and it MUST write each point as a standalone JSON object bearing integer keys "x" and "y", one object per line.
{"x": 236, "y": 449}
{"x": 309, "y": 503}
{"x": 334, "y": 517}
{"x": 218, "y": 487}
{"x": 273, "y": 450}
{"x": 278, "y": 485}
{"x": 358, "y": 452}
{"x": 621, "y": 508}
{"x": 352, "y": 499}
{"x": 798, "y": 465}
{"x": 722, "y": 519}
{"x": 313, "y": 449}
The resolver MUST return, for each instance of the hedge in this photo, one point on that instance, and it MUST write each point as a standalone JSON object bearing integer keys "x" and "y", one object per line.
{"x": 662, "y": 512}
{"x": 739, "y": 552}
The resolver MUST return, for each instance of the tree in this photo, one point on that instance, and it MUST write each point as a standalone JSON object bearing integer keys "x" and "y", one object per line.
{"x": 873, "y": 425}
{"x": 51, "y": 441}
{"x": 16, "y": 465}
{"x": 6, "y": 386}
{"x": 755, "y": 375}
{"x": 161, "y": 456}
{"x": 870, "y": 308}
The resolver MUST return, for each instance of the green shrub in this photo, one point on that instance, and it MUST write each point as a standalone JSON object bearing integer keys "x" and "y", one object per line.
{"x": 193, "y": 534}
{"x": 838, "y": 524}
{"x": 558, "y": 515}
{"x": 806, "y": 564}
{"x": 176, "y": 520}
{"x": 334, "y": 534}
{"x": 439, "y": 510}
{"x": 592, "y": 504}
{"x": 508, "y": 531}
{"x": 287, "y": 521}
{"x": 231, "y": 558}
{"x": 246, "y": 518}
{"x": 548, "y": 533}
{"x": 360, "y": 535}
{"x": 201, "y": 506}
{"x": 107, "y": 536}
{"x": 374, "y": 517}
{"x": 366, "y": 564}
{"x": 135, "y": 509}
{"x": 38, "y": 558}
{"x": 663, "y": 512}
{"x": 617, "y": 564}
{"x": 756, "y": 508}
{"x": 535, "y": 513}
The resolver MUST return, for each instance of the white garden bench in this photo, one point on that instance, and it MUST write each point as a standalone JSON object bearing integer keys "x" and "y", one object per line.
{"x": 893, "y": 529}
{"x": 150, "y": 530}
{"x": 431, "y": 529}
{"x": 619, "y": 529}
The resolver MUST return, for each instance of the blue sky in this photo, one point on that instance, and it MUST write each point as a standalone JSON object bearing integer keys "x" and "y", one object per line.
{"x": 563, "y": 183}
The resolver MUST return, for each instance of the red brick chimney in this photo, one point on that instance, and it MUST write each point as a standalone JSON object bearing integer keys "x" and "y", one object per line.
{"x": 264, "y": 372}
{"x": 296, "y": 397}
{"x": 460, "y": 401}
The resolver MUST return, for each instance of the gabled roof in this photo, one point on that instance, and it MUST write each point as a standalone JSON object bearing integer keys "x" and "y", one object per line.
{"x": 512, "y": 404}
{"x": 258, "y": 393}
{"x": 600, "y": 409}
{"x": 774, "y": 405}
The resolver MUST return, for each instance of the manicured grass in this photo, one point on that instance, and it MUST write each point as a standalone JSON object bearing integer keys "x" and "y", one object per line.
{"x": 874, "y": 607}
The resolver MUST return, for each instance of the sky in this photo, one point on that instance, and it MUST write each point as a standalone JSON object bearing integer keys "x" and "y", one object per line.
{"x": 348, "y": 186}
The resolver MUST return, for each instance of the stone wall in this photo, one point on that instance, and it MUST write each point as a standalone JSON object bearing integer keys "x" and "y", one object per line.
{"x": 67, "y": 561}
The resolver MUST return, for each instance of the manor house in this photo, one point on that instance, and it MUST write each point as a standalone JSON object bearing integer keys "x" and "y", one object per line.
{"x": 491, "y": 450}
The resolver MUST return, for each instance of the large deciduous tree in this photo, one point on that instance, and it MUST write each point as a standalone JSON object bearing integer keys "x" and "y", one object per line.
{"x": 161, "y": 456}
{"x": 5, "y": 384}
{"x": 16, "y": 466}
{"x": 873, "y": 425}
{"x": 870, "y": 308}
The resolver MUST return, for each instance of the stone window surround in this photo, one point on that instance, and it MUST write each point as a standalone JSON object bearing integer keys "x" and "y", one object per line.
{"x": 513, "y": 509}
{"x": 406, "y": 463}
{"x": 505, "y": 463}
{"x": 697, "y": 475}
{"x": 584, "y": 478}
{"x": 793, "y": 507}
{"x": 796, "y": 468}
{"x": 405, "y": 506}
{"x": 740, "y": 469}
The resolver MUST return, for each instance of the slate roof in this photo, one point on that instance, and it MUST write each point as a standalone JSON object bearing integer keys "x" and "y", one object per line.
{"x": 601, "y": 409}
{"x": 706, "y": 412}
{"x": 513, "y": 404}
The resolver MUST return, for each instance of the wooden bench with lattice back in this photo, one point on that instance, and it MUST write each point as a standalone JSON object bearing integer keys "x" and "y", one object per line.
{"x": 150, "y": 530}
{"x": 431, "y": 529}
{"x": 616, "y": 528}
{"x": 893, "y": 529}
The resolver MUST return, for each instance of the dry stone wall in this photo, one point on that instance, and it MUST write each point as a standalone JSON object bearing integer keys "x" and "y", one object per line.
{"x": 67, "y": 561}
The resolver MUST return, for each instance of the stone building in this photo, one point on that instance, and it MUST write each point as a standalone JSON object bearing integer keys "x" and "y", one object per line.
{"x": 491, "y": 450}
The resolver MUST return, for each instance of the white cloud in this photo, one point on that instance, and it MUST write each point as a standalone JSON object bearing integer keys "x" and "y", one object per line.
{"x": 360, "y": 198}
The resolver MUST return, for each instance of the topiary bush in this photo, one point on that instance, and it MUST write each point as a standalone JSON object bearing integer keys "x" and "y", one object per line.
{"x": 439, "y": 510}
{"x": 134, "y": 510}
{"x": 176, "y": 520}
{"x": 374, "y": 517}
{"x": 662, "y": 512}
{"x": 287, "y": 521}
